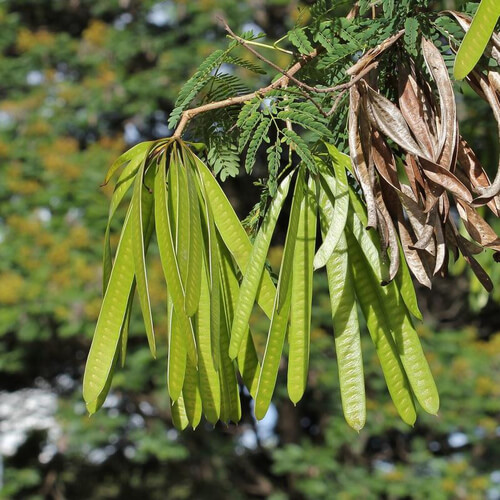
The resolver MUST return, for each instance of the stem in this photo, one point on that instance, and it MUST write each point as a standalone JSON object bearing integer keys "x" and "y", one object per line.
{"x": 266, "y": 46}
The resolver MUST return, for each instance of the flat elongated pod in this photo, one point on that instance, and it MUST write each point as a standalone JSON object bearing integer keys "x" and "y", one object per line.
{"x": 248, "y": 362}
{"x": 230, "y": 394}
{"x": 113, "y": 313}
{"x": 177, "y": 356}
{"x": 122, "y": 186}
{"x": 299, "y": 332}
{"x": 138, "y": 151}
{"x": 406, "y": 287}
{"x": 180, "y": 214}
{"x": 111, "y": 318}
{"x": 272, "y": 356}
{"x": 339, "y": 217}
{"x": 254, "y": 269}
{"x": 208, "y": 376}
{"x": 149, "y": 224}
{"x": 476, "y": 38}
{"x": 279, "y": 320}
{"x": 126, "y": 327}
{"x": 286, "y": 268}
{"x": 191, "y": 395}
{"x": 356, "y": 219}
{"x": 94, "y": 405}
{"x": 179, "y": 415}
{"x": 410, "y": 350}
{"x": 138, "y": 247}
{"x": 212, "y": 267}
{"x": 193, "y": 282}
{"x": 166, "y": 246}
{"x": 345, "y": 328}
{"x": 234, "y": 235}
{"x": 371, "y": 299}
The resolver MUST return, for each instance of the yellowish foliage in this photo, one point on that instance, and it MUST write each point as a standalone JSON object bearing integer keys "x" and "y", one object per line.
{"x": 96, "y": 33}
{"x": 11, "y": 287}
{"x": 59, "y": 254}
{"x": 27, "y": 39}
{"x": 38, "y": 128}
{"x": 79, "y": 237}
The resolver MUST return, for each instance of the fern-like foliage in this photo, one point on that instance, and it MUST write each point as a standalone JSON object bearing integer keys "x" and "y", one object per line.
{"x": 194, "y": 85}
{"x": 259, "y": 135}
{"x": 300, "y": 147}
{"x": 411, "y": 35}
{"x": 298, "y": 39}
{"x": 248, "y": 119}
{"x": 274, "y": 152}
{"x": 224, "y": 159}
{"x": 245, "y": 63}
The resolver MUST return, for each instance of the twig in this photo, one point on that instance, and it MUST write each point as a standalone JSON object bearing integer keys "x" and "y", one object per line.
{"x": 266, "y": 46}
{"x": 336, "y": 103}
{"x": 291, "y": 77}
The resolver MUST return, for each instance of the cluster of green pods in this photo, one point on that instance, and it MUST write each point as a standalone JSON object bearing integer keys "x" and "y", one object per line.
{"x": 215, "y": 275}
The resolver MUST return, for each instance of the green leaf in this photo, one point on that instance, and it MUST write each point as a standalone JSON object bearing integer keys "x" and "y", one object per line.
{"x": 325, "y": 37}
{"x": 245, "y": 63}
{"x": 411, "y": 35}
{"x": 247, "y": 128}
{"x": 273, "y": 164}
{"x": 308, "y": 121}
{"x": 225, "y": 160}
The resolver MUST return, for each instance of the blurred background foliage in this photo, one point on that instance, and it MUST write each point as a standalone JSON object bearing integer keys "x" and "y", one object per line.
{"x": 82, "y": 80}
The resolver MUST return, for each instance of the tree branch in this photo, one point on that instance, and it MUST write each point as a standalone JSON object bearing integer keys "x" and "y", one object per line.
{"x": 282, "y": 82}
{"x": 189, "y": 114}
